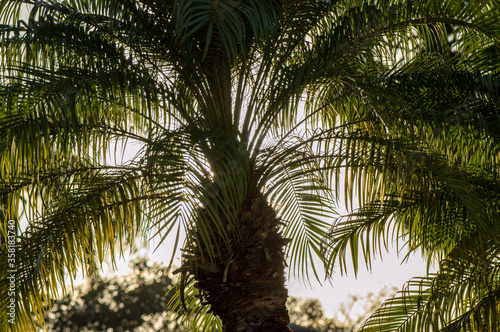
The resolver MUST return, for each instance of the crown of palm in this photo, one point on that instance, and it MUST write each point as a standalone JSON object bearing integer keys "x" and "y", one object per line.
{"x": 302, "y": 101}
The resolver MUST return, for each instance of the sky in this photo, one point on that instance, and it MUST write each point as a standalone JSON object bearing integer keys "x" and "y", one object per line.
{"x": 385, "y": 273}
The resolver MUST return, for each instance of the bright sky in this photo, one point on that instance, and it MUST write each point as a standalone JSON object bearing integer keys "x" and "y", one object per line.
{"x": 387, "y": 273}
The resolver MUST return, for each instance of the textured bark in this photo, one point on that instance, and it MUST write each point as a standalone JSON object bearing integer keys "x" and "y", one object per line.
{"x": 247, "y": 291}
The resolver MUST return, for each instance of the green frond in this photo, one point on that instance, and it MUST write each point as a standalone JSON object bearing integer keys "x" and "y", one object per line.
{"x": 226, "y": 25}
{"x": 195, "y": 316}
{"x": 417, "y": 196}
{"x": 401, "y": 313}
{"x": 77, "y": 229}
{"x": 305, "y": 205}
{"x": 462, "y": 296}
{"x": 365, "y": 232}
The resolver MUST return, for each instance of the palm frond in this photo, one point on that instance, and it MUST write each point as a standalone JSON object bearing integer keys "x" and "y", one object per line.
{"x": 186, "y": 301}
{"x": 75, "y": 231}
{"x": 302, "y": 197}
{"x": 462, "y": 296}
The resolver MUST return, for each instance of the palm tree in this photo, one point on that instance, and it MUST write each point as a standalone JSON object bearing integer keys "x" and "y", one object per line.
{"x": 247, "y": 113}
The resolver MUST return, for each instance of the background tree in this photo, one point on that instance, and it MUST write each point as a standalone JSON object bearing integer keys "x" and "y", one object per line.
{"x": 308, "y": 316}
{"x": 249, "y": 113}
{"x": 137, "y": 301}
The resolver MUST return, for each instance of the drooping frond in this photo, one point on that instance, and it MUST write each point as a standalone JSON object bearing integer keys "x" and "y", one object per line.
{"x": 420, "y": 151}
{"x": 74, "y": 234}
{"x": 186, "y": 301}
{"x": 304, "y": 201}
{"x": 462, "y": 296}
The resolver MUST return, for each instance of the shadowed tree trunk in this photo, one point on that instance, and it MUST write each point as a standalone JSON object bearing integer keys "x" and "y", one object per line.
{"x": 247, "y": 290}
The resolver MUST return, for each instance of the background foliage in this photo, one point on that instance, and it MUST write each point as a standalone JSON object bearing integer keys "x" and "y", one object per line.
{"x": 139, "y": 300}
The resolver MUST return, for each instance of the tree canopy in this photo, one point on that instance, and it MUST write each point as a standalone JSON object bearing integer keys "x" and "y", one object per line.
{"x": 254, "y": 118}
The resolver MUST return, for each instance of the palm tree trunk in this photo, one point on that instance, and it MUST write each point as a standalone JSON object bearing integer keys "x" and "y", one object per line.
{"x": 248, "y": 290}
